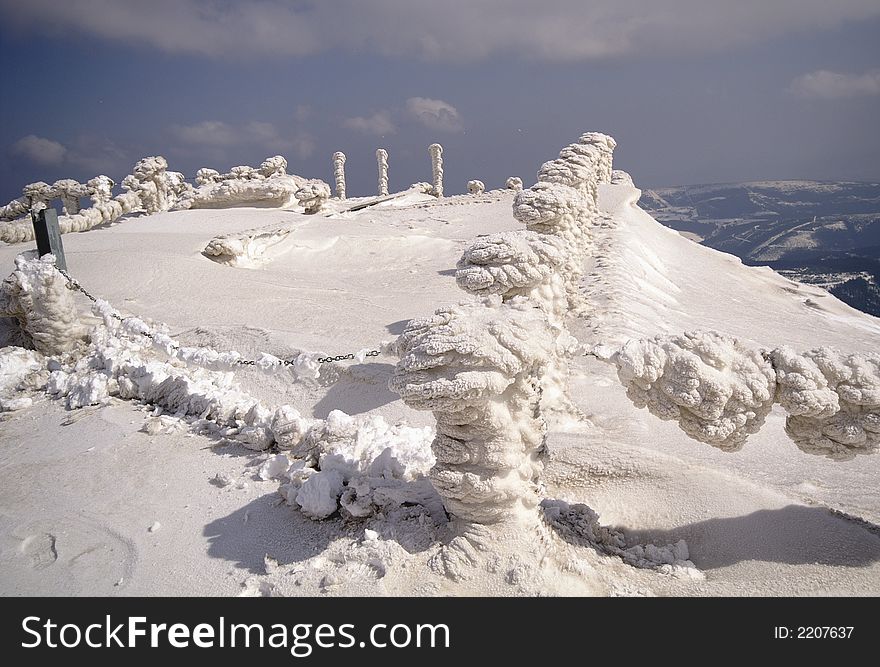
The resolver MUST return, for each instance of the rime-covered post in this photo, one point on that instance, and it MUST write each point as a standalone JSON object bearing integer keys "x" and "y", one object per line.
{"x": 436, "y": 151}
{"x": 339, "y": 173}
{"x": 382, "y": 162}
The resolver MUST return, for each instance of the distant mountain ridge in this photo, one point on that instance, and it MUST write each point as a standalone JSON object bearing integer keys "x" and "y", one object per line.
{"x": 818, "y": 232}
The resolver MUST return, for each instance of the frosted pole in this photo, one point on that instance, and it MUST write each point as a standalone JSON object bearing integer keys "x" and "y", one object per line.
{"x": 339, "y": 173}
{"x": 382, "y": 162}
{"x": 436, "y": 151}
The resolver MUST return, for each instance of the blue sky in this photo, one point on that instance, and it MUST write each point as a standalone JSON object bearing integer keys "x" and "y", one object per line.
{"x": 693, "y": 91}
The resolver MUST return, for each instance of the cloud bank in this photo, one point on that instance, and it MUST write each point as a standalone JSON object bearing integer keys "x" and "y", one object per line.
{"x": 823, "y": 84}
{"x": 553, "y": 30}
{"x": 39, "y": 150}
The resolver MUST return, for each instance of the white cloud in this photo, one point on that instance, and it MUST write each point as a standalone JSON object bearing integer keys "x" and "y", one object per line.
{"x": 458, "y": 30}
{"x": 832, "y": 85}
{"x": 434, "y": 114}
{"x": 206, "y": 133}
{"x": 39, "y": 150}
{"x": 212, "y": 137}
{"x": 379, "y": 124}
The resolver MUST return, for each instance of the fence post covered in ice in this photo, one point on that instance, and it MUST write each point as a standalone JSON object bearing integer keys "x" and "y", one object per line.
{"x": 339, "y": 173}
{"x": 36, "y": 295}
{"x": 382, "y": 162}
{"x": 487, "y": 369}
{"x": 436, "y": 151}
{"x": 100, "y": 189}
{"x": 69, "y": 191}
{"x": 477, "y": 366}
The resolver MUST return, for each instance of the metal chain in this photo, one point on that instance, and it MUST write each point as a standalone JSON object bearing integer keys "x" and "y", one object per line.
{"x": 74, "y": 285}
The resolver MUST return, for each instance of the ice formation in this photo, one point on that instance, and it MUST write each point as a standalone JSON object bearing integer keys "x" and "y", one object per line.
{"x": 14, "y": 209}
{"x": 619, "y": 177}
{"x": 38, "y": 195}
{"x": 476, "y": 187}
{"x": 206, "y": 176}
{"x": 562, "y": 211}
{"x": 606, "y": 145}
{"x": 100, "y": 189}
{"x": 304, "y": 365}
{"x": 312, "y": 195}
{"x": 513, "y": 183}
{"x": 436, "y": 151}
{"x": 358, "y": 466}
{"x": 339, "y": 173}
{"x": 520, "y": 263}
{"x": 716, "y": 387}
{"x": 478, "y": 366}
{"x": 382, "y": 163}
{"x": 36, "y": 295}
{"x": 273, "y": 166}
{"x": 18, "y": 367}
{"x": 832, "y": 399}
{"x": 69, "y": 192}
{"x": 267, "y": 186}
{"x": 153, "y": 187}
{"x": 242, "y": 172}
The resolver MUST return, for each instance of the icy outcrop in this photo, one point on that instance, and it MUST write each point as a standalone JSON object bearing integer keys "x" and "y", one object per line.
{"x": 436, "y": 151}
{"x": 272, "y": 192}
{"x": 177, "y": 186}
{"x": 358, "y": 466}
{"x": 273, "y": 166}
{"x": 619, "y": 177}
{"x": 38, "y": 196}
{"x": 477, "y": 367}
{"x": 339, "y": 173}
{"x": 105, "y": 209}
{"x": 717, "y": 388}
{"x": 520, "y": 263}
{"x": 562, "y": 211}
{"x": 100, "y": 190}
{"x": 206, "y": 176}
{"x": 69, "y": 192}
{"x": 382, "y": 164}
{"x": 832, "y": 399}
{"x": 313, "y": 194}
{"x": 14, "y": 209}
{"x": 242, "y": 172}
{"x": 476, "y": 187}
{"x": 514, "y": 183}
{"x": 268, "y": 186}
{"x": 153, "y": 188}
{"x": 36, "y": 295}
{"x": 605, "y": 145}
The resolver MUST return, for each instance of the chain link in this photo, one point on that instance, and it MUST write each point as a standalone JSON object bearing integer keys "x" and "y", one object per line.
{"x": 74, "y": 285}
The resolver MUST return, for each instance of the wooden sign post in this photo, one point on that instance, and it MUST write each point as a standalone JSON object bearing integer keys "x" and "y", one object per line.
{"x": 48, "y": 236}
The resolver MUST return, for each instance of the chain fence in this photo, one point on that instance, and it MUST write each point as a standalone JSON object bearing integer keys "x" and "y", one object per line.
{"x": 74, "y": 285}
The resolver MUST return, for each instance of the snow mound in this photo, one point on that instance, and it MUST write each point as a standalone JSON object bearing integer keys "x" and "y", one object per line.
{"x": 358, "y": 466}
